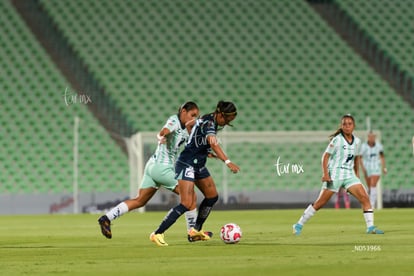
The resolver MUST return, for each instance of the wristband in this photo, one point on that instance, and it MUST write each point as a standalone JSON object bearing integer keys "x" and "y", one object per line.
{"x": 227, "y": 161}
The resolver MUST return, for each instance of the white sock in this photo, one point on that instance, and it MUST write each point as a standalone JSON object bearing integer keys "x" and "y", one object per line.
{"x": 117, "y": 211}
{"x": 309, "y": 212}
{"x": 190, "y": 218}
{"x": 373, "y": 196}
{"x": 369, "y": 217}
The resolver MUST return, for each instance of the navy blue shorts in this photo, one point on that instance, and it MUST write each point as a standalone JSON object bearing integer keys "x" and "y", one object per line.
{"x": 184, "y": 171}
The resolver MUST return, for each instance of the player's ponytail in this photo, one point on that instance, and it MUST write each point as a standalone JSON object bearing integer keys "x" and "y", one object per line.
{"x": 339, "y": 130}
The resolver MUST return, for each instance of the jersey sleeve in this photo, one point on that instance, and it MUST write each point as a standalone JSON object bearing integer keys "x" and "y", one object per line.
{"x": 172, "y": 123}
{"x": 209, "y": 128}
{"x": 332, "y": 146}
{"x": 380, "y": 148}
{"x": 358, "y": 147}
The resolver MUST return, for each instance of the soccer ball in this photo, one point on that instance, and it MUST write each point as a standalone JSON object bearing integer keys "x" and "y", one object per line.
{"x": 230, "y": 233}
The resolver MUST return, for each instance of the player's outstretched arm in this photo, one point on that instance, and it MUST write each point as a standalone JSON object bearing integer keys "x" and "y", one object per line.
{"x": 212, "y": 140}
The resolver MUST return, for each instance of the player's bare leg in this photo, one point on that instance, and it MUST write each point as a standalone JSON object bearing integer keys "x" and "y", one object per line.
{"x": 144, "y": 195}
{"x": 324, "y": 196}
{"x": 359, "y": 192}
{"x": 372, "y": 184}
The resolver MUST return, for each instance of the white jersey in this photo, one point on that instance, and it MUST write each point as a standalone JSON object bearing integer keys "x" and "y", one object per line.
{"x": 371, "y": 155}
{"x": 342, "y": 156}
{"x": 166, "y": 153}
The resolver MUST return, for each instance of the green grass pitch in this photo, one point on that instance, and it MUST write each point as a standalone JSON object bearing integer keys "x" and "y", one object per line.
{"x": 332, "y": 243}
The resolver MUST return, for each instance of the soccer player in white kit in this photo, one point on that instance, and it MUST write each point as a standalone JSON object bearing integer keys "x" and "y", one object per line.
{"x": 373, "y": 163}
{"x": 340, "y": 163}
{"x": 159, "y": 169}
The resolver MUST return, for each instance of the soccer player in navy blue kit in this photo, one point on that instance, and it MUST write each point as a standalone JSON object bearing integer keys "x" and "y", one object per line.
{"x": 190, "y": 170}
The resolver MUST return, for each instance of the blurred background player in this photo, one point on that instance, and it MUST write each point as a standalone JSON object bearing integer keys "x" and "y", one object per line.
{"x": 191, "y": 170}
{"x": 373, "y": 162}
{"x": 340, "y": 164}
{"x": 159, "y": 170}
{"x": 342, "y": 194}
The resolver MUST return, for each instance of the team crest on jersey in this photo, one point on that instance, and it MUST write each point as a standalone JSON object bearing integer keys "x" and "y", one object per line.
{"x": 189, "y": 172}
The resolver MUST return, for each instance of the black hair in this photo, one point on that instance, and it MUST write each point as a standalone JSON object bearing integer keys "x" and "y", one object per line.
{"x": 339, "y": 130}
{"x": 187, "y": 106}
{"x": 226, "y": 108}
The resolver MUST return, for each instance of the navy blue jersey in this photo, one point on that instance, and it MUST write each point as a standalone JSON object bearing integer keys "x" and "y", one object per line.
{"x": 197, "y": 148}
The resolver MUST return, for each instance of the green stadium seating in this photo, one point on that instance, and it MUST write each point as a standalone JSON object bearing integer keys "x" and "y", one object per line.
{"x": 37, "y": 125}
{"x": 282, "y": 65}
{"x": 386, "y": 23}
{"x": 278, "y": 60}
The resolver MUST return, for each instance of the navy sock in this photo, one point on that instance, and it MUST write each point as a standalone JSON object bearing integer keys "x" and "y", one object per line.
{"x": 204, "y": 211}
{"x": 170, "y": 218}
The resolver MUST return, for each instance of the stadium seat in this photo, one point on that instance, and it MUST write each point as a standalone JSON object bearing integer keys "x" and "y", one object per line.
{"x": 277, "y": 60}
{"x": 37, "y": 124}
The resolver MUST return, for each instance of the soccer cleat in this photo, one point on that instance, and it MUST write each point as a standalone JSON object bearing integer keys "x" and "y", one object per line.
{"x": 198, "y": 238}
{"x": 105, "y": 224}
{"x": 297, "y": 229}
{"x": 374, "y": 230}
{"x": 195, "y": 235}
{"x": 158, "y": 239}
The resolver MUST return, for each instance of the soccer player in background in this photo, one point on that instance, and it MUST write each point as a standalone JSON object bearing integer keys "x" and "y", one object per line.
{"x": 373, "y": 162}
{"x": 342, "y": 194}
{"x": 340, "y": 163}
{"x": 190, "y": 170}
{"x": 159, "y": 169}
